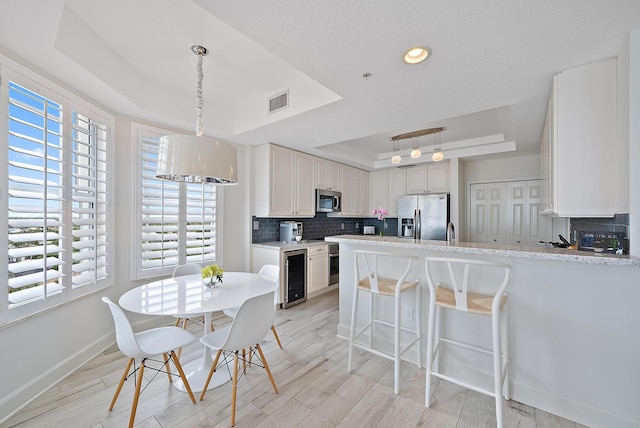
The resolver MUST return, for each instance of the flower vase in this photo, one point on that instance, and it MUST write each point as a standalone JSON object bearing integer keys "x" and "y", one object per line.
{"x": 384, "y": 224}
{"x": 210, "y": 282}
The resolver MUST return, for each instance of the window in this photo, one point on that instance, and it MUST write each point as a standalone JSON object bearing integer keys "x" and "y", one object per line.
{"x": 55, "y": 165}
{"x": 176, "y": 223}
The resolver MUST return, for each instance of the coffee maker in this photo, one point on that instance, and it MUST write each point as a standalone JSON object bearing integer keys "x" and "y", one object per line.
{"x": 290, "y": 231}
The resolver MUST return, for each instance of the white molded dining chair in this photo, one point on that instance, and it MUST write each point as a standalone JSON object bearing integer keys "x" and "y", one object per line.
{"x": 249, "y": 326}
{"x": 273, "y": 273}
{"x": 144, "y": 346}
{"x": 182, "y": 270}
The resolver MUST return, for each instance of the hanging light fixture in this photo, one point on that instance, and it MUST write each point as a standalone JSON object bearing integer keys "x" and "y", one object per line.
{"x": 197, "y": 159}
{"x": 437, "y": 155}
{"x": 395, "y": 159}
{"x": 415, "y": 153}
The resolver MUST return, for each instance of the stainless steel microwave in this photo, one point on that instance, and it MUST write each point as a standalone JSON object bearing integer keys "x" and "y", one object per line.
{"x": 328, "y": 201}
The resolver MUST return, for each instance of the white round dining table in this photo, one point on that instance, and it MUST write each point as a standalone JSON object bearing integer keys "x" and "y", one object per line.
{"x": 185, "y": 295}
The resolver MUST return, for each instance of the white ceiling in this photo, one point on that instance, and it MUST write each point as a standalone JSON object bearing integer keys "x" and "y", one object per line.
{"x": 487, "y": 81}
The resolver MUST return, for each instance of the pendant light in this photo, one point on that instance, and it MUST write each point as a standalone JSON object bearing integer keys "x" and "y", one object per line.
{"x": 415, "y": 153}
{"x": 396, "y": 159}
{"x": 194, "y": 158}
{"x": 437, "y": 155}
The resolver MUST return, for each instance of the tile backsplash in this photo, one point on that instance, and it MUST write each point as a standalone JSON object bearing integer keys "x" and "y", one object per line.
{"x": 319, "y": 226}
{"x": 619, "y": 223}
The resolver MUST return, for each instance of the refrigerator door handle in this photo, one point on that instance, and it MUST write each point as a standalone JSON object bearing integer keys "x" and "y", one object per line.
{"x": 418, "y": 228}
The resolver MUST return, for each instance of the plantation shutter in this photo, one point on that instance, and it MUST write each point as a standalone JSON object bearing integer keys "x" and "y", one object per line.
{"x": 201, "y": 223}
{"x": 89, "y": 200}
{"x": 36, "y": 217}
{"x": 160, "y": 212}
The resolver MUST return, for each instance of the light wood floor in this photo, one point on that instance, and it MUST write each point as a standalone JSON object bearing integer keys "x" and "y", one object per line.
{"x": 315, "y": 389}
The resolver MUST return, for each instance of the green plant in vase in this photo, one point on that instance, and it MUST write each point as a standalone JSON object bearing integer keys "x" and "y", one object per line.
{"x": 211, "y": 275}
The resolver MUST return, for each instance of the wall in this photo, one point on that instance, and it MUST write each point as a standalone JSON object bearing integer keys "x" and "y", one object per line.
{"x": 502, "y": 169}
{"x": 634, "y": 141}
{"x": 320, "y": 226}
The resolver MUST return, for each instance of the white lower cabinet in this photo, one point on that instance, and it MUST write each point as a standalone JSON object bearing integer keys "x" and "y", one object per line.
{"x": 317, "y": 268}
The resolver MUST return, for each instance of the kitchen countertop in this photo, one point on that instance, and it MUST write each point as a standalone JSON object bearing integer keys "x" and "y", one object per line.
{"x": 557, "y": 254}
{"x": 287, "y": 246}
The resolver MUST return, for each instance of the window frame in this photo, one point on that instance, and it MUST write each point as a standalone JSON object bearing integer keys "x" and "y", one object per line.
{"x": 139, "y": 131}
{"x": 71, "y": 103}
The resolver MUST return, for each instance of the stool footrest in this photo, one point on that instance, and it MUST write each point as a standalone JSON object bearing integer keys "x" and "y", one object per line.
{"x": 464, "y": 384}
{"x": 467, "y": 346}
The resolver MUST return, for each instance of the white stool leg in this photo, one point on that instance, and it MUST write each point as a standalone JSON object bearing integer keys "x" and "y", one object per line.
{"x": 430, "y": 339}
{"x": 352, "y": 333}
{"x": 436, "y": 339}
{"x": 419, "y": 324}
{"x": 372, "y": 317}
{"x": 396, "y": 343}
{"x": 506, "y": 363}
{"x": 497, "y": 365}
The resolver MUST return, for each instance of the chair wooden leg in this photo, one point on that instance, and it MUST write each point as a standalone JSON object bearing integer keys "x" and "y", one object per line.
{"x": 275, "y": 333}
{"x": 184, "y": 323}
{"x": 136, "y": 395}
{"x": 213, "y": 369}
{"x": 234, "y": 390}
{"x": 166, "y": 364}
{"x": 178, "y": 321}
{"x": 266, "y": 367}
{"x": 244, "y": 361}
{"x": 176, "y": 361}
{"x": 122, "y": 379}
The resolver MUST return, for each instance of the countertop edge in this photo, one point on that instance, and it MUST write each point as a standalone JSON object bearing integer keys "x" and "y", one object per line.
{"x": 554, "y": 254}
{"x": 287, "y": 246}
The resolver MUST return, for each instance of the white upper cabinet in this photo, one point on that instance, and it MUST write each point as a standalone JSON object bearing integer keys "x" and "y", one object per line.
{"x": 284, "y": 182}
{"x": 397, "y": 188}
{"x": 428, "y": 178}
{"x": 379, "y": 190}
{"x": 355, "y": 192}
{"x": 327, "y": 175}
{"x": 579, "y": 144}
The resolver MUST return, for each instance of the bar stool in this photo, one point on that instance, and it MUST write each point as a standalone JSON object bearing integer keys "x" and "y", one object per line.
{"x": 369, "y": 281}
{"x": 457, "y": 289}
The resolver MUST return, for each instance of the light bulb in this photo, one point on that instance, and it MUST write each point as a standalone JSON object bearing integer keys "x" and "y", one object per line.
{"x": 396, "y": 159}
{"x": 416, "y": 153}
{"x": 437, "y": 156}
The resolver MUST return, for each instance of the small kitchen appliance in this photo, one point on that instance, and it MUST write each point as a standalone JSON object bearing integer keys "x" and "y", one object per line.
{"x": 369, "y": 230}
{"x": 289, "y": 230}
{"x": 328, "y": 201}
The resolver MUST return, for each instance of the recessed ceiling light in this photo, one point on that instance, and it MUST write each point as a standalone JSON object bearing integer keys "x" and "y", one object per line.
{"x": 416, "y": 54}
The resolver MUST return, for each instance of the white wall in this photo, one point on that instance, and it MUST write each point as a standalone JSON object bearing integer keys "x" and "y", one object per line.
{"x": 634, "y": 142}
{"x": 502, "y": 169}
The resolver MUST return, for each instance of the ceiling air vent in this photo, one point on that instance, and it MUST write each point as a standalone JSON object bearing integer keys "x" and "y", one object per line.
{"x": 279, "y": 102}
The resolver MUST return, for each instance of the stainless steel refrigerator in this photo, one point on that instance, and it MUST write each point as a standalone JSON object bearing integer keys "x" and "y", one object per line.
{"x": 423, "y": 216}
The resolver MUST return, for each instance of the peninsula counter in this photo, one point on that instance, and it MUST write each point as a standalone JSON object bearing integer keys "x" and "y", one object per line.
{"x": 574, "y": 331}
